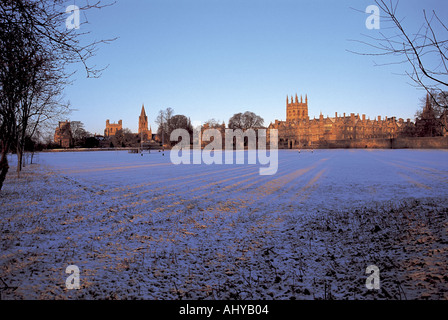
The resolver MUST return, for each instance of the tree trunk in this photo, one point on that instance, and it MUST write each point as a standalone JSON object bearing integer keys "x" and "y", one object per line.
{"x": 4, "y": 167}
{"x": 19, "y": 160}
{"x": 21, "y": 147}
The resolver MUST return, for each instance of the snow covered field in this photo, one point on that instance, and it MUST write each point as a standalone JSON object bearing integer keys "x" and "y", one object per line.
{"x": 141, "y": 227}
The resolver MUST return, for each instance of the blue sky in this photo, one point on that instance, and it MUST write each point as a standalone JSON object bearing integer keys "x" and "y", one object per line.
{"x": 213, "y": 58}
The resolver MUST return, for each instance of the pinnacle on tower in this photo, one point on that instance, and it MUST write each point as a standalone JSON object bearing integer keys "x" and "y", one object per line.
{"x": 297, "y": 100}
{"x": 143, "y": 113}
{"x": 306, "y": 98}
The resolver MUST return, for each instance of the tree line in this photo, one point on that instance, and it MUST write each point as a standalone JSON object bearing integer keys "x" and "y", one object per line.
{"x": 166, "y": 122}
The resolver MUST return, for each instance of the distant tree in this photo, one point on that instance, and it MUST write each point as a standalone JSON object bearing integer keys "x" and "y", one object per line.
{"x": 130, "y": 139}
{"x": 79, "y": 134}
{"x": 236, "y": 121}
{"x": 246, "y": 120}
{"x": 179, "y": 121}
{"x": 212, "y": 123}
{"x": 124, "y": 138}
{"x": 163, "y": 121}
{"x": 91, "y": 142}
{"x": 117, "y": 140}
{"x": 408, "y": 131}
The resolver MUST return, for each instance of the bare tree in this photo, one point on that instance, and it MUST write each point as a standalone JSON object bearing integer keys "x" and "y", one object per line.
{"x": 35, "y": 48}
{"x": 124, "y": 138}
{"x": 79, "y": 134}
{"x": 236, "y": 121}
{"x": 179, "y": 121}
{"x": 246, "y": 120}
{"x": 212, "y": 123}
{"x": 163, "y": 121}
{"x": 40, "y": 100}
{"x": 424, "y": 50}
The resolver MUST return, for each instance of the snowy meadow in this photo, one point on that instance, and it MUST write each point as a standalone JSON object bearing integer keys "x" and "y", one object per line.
{"x": 140, "y": 227}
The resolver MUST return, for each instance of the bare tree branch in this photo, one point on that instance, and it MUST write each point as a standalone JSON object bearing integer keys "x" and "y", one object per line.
{"x": 424, "y": 51}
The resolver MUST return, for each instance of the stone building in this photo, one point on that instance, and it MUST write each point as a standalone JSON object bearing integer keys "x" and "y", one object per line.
{"x": 300, "y": 131}
{"x": 63, "y": 134}
{"x": 112, "y": 128}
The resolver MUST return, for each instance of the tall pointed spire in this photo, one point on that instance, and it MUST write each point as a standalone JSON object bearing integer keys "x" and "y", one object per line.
{"x": 143, "y": 122}
{"x": 306, "y": 98}
{"x": 297, "y": 99}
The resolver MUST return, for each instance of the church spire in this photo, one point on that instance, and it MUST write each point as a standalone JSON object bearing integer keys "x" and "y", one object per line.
{"x": 143, "y": 122}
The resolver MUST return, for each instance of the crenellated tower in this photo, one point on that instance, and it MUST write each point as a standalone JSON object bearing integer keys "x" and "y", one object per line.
{"x": 295, "y": 109}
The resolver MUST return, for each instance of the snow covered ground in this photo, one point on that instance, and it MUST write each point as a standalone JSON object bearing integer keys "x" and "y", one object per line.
{"x": 141, "y": 227}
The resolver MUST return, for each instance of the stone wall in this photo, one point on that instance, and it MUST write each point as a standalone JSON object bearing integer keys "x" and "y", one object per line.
{"x": 421, "y": 143}
{"x": 396, "y": 143}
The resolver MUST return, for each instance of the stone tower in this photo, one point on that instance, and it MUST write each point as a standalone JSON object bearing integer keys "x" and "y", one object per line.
{"x": 296, "y": 110}
{"x": 112, "y": 128}
{"x": 63, "y": 134}
{"x": 143, "y": 125}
